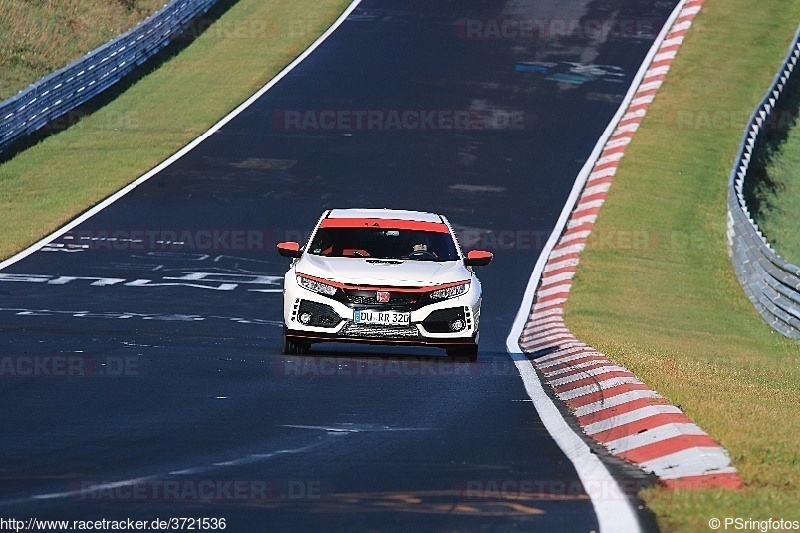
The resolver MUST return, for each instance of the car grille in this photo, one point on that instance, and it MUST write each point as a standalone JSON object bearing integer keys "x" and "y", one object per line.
{"x": 377, "y": 331}
{"x": 399, "y": 300}
{"x": 372, "y": 300}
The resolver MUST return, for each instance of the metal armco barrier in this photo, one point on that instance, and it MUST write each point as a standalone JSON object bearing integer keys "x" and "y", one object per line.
{"x": 771, "y": 283}
{"x": 64, "y": 90}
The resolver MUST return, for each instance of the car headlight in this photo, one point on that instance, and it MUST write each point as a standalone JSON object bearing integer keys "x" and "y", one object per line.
{"x": 316, "y": 286}
{"x": 450, "y": 292}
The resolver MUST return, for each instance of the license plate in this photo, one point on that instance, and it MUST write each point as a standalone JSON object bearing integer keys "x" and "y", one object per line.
{"x": 384, "y": 318}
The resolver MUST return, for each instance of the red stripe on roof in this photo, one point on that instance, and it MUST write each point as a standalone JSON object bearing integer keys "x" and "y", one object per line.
{"x": 385, "y": 223}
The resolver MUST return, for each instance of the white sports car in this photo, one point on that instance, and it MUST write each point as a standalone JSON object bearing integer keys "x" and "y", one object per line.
{"x": 382, "y": 276}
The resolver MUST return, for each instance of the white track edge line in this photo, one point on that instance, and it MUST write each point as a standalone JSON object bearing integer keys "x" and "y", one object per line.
{"x": 613, "y": 514}
{"x": 616, "y": 515}
{"x": 580, "y": 182}
{"x": 186, "y": 149}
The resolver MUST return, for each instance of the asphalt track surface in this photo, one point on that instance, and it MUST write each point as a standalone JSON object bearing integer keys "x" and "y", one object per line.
{"x": 188, "y": 408}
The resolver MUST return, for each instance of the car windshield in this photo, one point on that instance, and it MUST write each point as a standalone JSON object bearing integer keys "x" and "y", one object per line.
{"x": 374, "y": 243}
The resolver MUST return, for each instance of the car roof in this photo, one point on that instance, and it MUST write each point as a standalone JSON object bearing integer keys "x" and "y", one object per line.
{"x": 389, "y": 214}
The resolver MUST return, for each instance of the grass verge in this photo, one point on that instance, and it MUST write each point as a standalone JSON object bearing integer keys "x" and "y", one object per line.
{"x": 655, "y": 290}
{"x": 37, "y": 38}
{"x": 44, "y": 186}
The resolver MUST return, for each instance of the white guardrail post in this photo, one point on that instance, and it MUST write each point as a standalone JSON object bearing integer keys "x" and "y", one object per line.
{"x": 62, "y": 91}
{"x": 771, "y": 283}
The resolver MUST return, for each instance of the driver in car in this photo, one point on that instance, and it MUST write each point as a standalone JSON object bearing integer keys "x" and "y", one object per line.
{"x": 422, "y": 249}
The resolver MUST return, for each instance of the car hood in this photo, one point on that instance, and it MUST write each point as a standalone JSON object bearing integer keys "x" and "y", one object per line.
{"x": 357, "y": 271}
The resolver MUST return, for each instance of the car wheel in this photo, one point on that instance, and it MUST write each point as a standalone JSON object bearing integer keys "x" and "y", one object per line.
{"x": 290, "y": 347}
{"x": 470, "y": 353}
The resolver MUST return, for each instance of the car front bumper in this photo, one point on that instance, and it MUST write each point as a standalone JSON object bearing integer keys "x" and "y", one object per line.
{"x": 430, "y": 325}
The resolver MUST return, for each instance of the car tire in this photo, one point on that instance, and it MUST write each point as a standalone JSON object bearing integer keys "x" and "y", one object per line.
{"x": 469, "y": 353}
{"x": 290, "y": 347}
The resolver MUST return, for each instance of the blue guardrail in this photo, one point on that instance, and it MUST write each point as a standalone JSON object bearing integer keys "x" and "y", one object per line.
{"x": 771, "y": 283}
{"x": 64, "y": 90}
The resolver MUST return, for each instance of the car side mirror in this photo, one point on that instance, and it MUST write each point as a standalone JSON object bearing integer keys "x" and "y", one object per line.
{"x": 478, "y": 258}
{"x": 289, "y": 249}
